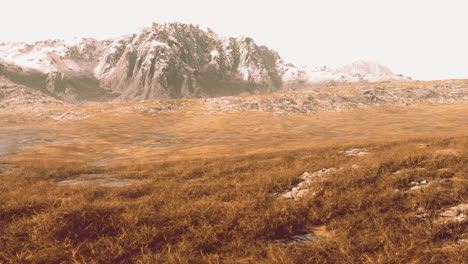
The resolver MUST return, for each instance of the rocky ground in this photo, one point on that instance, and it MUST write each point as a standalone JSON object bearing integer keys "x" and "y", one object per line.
{"x": 344, "y": 98}
{"x": 337, "y": 99}
{"x": 15, "y": 97}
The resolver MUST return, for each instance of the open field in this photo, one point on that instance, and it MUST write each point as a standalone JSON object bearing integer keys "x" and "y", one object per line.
{"x": 112, "y": 185}
{"x": 189, "y": 133}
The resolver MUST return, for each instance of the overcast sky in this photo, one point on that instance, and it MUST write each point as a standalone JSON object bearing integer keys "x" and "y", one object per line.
{"x": 426, "y": 39}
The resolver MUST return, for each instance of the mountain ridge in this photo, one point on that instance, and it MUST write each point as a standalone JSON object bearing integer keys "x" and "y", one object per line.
{"x": 164, "y": 61}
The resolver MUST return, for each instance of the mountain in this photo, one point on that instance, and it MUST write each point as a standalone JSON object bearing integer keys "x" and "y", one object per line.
{"x": 179, "y": 60}
{"x": 170, "y": 60}
{"x": 14, "y": 97}
{"x": 356, "y": 72}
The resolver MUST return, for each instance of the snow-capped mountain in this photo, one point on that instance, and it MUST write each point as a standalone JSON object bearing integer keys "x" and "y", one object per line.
{"x": 356, "y": 72}
{"x": 170, "y": 60}
{"x": 179, "y": 60}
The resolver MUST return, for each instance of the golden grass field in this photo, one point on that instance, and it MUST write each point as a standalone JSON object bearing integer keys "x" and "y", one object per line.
{"x": 202, "y": 186}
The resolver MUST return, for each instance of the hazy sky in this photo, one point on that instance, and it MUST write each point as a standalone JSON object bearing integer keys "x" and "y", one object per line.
{"x": 426, "y": 39}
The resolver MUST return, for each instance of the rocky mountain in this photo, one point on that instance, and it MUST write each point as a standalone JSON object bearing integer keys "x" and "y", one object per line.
{"x": 170, "y": 60}
{"x": 179, "y": 60}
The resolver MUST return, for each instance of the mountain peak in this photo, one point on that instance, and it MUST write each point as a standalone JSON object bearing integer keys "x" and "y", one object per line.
{"x": 167, "y": 60}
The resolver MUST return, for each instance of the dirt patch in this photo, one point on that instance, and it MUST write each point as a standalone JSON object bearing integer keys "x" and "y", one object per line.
{"x": 318, "y": 234}
{"x": 11, "y": 140}
{"x": 4, "y": 168}
{"x": 6, "y": 145}
{"x": 100, "y": 162}
{"x": 447, "y": 152}
{"x": 107, "y": 180}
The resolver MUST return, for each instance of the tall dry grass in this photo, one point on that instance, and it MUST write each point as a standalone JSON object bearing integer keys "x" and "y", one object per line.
{"x": 221, "y": 210}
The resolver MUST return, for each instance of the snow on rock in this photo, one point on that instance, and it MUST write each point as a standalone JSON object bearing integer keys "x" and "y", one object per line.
{"x": 356, "y": 72}
{"x": 365, "y": 67}
{"x": 53, "y": 55}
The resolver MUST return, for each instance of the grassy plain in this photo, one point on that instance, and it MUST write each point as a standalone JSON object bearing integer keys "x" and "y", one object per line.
{"x": 203, "y": 186}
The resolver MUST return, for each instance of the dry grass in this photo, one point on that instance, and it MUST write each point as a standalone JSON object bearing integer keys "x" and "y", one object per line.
{"x": 221, "y": 210}
{"x": 133, "y": 137}
{"x": 204, "y": 186}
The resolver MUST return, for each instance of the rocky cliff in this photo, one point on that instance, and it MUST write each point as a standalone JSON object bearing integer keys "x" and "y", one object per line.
{"x": 179, "y": 60}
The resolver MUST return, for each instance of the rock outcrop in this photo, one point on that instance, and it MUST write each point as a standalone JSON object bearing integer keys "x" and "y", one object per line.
{"x": 344, "y": 99}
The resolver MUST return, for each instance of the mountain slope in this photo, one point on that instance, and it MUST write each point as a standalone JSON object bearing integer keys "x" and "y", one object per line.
{"x": 179, "y": 60}
{"x": 170, "y": 60}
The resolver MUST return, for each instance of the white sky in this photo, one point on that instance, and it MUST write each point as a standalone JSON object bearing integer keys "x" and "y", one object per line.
{"x": 426, "y": 39}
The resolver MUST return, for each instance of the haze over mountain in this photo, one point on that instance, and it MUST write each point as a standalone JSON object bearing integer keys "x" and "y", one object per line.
{"x": 171, "y": 60}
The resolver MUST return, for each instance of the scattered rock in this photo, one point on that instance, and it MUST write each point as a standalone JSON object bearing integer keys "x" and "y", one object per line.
{"x": 455, "y": 214}
{"x": 320, "y": 100}
{"x": 417, "y": 185}
{"x": 449, "y": 213}
{"x": 296, "y": 193}
{"x": 461, "y": 218}
{"x": 409, "y": 170}
{"x": 354, "y": 152}
{"x": 302, "y": 188}
{"x": 422, "y": 216}
{"x": 420, "y": 210}
{"x": 106, "y": 180}
{"x": 421, "y": 213}
{"x": 316, "y": 174}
